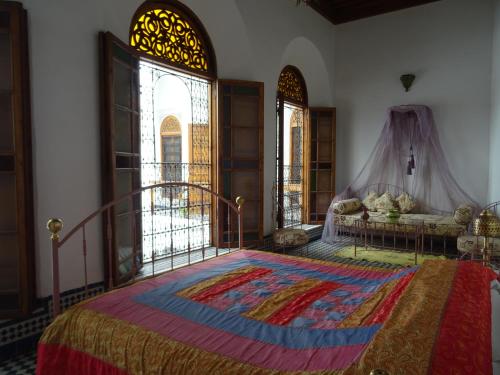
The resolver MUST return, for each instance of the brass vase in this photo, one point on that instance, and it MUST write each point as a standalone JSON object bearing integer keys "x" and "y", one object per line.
{"x": 487, "y": 224}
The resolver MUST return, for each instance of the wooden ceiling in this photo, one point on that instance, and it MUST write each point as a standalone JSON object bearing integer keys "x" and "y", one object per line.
{"x": 341, "y": 11}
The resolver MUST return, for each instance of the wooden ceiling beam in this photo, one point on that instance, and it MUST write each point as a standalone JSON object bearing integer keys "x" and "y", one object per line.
{"x": 342, "y": 11}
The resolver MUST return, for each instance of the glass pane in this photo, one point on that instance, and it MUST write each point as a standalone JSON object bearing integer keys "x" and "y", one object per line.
{"x": 323, "y": 202}
{"x": 122, "y": 84}
{"x": 227, "y": 142}
{"x": 9, "y": 267}
{"x": 136, "y": 133}
{"x": 6, "y": 126}
{"x": 245, "y": 111}
{"x": 245, "y": 143}
{"x": 8, "y": 211}
{"x": 5, "y": 62}
{"x": 124, "y": 243}
{"x": 314, "y": 130}
{"x": 245, "y": 90}
{"x": 314, "y": 154}
{"x": 122, "y": 131}
{"x": 7, "y": 163}
{"x": 251, "y": 216}
{"x": 246, "y": 184}
{"x": 324, "y": 151}
{"x": 4, "y": 20}
{"x": 313, "y": 180}
{"x": 123, "y": 186}
{"x": 324, "y": 181}
{"x": 325, "y": 128}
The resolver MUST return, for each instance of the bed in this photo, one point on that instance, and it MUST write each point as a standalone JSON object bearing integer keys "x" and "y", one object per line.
{"x": 256, "y": 312}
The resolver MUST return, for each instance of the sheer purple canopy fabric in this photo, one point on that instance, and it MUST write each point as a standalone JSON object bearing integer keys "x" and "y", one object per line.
{"x": 431, "y": 183}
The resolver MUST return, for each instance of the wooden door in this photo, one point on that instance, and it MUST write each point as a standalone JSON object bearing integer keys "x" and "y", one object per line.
{"x": 240, "y": 158}
{"x": 320, "y": 188}
{"x": 17, "y": 275}
{"x": 121, "y": 154}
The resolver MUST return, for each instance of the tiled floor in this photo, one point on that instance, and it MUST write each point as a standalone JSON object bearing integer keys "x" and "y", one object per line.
{"x": 21, "y": 365}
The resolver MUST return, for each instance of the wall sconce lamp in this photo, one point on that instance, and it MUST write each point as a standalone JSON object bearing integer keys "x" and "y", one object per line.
{"x": 407, "y": 80}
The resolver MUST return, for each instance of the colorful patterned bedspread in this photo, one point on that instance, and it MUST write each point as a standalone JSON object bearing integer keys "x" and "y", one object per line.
{"x": 259, "y": 313}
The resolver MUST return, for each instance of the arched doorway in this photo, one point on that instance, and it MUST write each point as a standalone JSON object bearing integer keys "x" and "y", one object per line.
{"x": 290, "y": 176}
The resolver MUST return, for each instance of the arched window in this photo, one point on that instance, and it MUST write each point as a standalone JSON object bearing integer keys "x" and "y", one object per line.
{"x": 170, "y": 31}
{"x": 292, "y": 86}
{"x": 171, "y": 149}
{"x": 290, "y": 179}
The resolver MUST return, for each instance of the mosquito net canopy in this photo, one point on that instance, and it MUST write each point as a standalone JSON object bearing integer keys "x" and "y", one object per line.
{"x": 410, "y": 130}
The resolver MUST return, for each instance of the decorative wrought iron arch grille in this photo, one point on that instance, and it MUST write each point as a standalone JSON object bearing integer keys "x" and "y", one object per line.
{"x": 292, "y": 86}
{"x": 171, "y": 32}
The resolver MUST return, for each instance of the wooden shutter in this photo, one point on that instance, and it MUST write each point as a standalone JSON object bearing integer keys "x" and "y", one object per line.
{"x": 320, "y": 188}
{"x": 121, "y": 153}
{"x": 240, "y": 157}
{"x": 17, "y": 278}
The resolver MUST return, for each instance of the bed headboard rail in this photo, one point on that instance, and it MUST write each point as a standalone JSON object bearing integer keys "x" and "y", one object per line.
{"x": 164, "y": 192}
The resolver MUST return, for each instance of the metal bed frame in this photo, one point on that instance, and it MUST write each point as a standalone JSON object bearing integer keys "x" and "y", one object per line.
{"x": 55, "y": 225}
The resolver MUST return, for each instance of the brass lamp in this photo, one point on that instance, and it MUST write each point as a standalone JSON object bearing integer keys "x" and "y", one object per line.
{"x": 486, "y": 225}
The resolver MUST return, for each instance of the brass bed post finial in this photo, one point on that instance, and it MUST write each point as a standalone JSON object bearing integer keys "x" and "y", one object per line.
{"x": 240, "y": 201}
{"x": 54, "y": 226}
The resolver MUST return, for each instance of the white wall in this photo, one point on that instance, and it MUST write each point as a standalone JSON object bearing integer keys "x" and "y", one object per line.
{"x": 447, "y": 45}
{"x": 494, "y": 185}
{"x": 253, "y": 40}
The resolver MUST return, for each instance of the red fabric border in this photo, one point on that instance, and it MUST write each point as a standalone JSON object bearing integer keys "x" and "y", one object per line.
{"x": 61, "y": 360}
{"x": 288, "y": 312}
{"x": 463, "y": 343}
{"x": 220, "y": 288}
{"x": 381, "y": 314}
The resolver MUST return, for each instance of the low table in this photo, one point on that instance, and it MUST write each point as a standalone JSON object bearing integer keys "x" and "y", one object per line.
{"x": 392, "y": 233}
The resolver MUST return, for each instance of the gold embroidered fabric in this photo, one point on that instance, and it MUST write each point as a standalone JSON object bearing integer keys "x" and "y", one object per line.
{"x": 404, "y": 345}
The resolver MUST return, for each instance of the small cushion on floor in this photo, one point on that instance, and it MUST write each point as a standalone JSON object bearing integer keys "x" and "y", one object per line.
{"x": 290, "y": 237}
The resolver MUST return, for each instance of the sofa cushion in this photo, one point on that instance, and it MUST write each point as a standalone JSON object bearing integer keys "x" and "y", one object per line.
{"x": 405, "y": 203}
{"x": 463, "y": 214}
{"x": 385, "y": 202}
{"x": 346, "y": 206}
{"x": 369, "y": 201}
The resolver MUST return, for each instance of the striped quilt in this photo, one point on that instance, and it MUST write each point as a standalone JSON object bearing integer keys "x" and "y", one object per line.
{"x": 255, "y": 312}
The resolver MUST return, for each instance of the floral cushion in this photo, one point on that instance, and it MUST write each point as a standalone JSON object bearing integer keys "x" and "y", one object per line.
{"x": 385, "y": 202}
{"x": 369, "y": 201}
{"x": 463, "y": 214}
{"x": 290, "y": 237}
{"x": 473, "y": 244}
{"x": 346, "y": 206}
{"x": 405, "y": 203}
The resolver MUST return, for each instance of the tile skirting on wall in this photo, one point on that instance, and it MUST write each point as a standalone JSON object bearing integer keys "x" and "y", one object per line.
{"x": 21, "y": 335}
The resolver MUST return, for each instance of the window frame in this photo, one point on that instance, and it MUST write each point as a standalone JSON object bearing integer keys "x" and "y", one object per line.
{"x": 286, "y": 94}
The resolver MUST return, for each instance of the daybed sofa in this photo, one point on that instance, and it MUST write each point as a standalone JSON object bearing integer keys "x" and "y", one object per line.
{"x": 343, "y": 214}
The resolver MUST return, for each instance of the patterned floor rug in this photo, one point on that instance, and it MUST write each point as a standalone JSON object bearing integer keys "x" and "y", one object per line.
{"x": 401, "y": 258}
